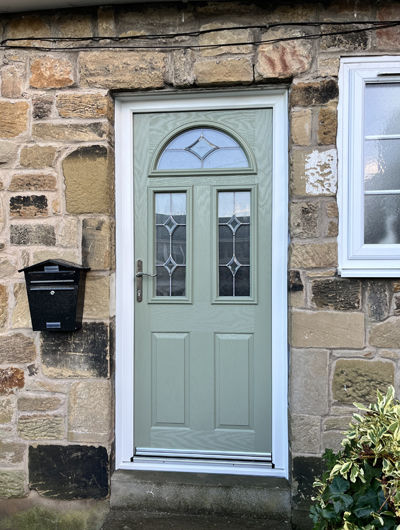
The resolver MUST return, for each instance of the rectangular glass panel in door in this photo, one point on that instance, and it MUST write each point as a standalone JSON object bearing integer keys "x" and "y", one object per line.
{"x": 170, "y": 242}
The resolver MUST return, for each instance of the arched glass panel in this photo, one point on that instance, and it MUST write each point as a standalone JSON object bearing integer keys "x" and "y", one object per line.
{"x": 202, "y": 148}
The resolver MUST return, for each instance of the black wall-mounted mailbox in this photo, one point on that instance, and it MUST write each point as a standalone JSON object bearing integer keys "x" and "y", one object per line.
{"x": 55, "y": 294}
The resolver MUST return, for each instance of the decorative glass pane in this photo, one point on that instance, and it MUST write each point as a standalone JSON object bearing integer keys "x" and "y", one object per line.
{"x": 170, "y": 244}
{"x": 381, "y": 108}
{"x": 234, "y": 243}
{"x": 202, "y": 148}
{"x": 382, "y": 219}
{"x": 382, "y": 164}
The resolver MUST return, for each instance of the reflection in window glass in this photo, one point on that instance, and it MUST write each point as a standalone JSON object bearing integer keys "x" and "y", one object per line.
{"x": 234, "y": 243}
{"x": 382, "y": 219}
{"x": 170, "y": 243}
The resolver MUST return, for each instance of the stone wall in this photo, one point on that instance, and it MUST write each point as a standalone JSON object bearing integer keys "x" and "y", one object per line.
{"x": 56, "y": 177}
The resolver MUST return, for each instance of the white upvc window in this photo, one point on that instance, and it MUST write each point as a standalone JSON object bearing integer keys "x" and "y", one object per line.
{"x": 369, "y": 167}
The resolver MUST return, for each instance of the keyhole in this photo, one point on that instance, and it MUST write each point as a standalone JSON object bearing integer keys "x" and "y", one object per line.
{"x": 52, "y": 292}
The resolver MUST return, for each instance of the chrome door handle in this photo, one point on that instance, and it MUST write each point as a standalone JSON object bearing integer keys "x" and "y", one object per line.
{"x": 139, "y": 282}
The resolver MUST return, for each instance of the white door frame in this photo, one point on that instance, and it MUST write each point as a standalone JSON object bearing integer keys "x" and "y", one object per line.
{"x": 125, "y": 106}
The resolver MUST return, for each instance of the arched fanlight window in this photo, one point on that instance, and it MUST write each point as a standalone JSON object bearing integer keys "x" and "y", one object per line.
{"x": 202, "y": 148}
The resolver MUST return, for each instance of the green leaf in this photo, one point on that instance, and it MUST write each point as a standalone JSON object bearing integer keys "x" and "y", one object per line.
{"x": 339, "y": 485}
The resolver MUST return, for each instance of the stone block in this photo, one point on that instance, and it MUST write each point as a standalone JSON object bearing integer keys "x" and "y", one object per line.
{"x": 12, "y": 484}
{"x": 122, "y": 70}
{"x": 51, "y": 72}
{"x": 309, "y": 382}
{"x": 84, "y": 353}
{"x": 97, "y": 297}
{"x": 305, "y": 469}
{"x": 32, "y": 235}
{"x": 41, "y": 427}
{"x": 68, "y": 232}
{"x": 181, "y": 72}
{"x": 304, "y": 219}
{"x": 385, "y": 334}
{"x": 35, "y": 182}
{"x": 7, "y": 268}
{"x": 8, "y": 153}
{"x": 224, "y": 71}
{"x": 3, "y": 306}
{"x": 12, "y": 82}
{"x": 337, "y": 423}
{"x": 67, "y": 254}
{"x": 314, "y": 172}
{"x": 313, "y": 255}
{"x": 17, "y": 348}
{"x": 358, "y": 380}
{"x": 354, "y": 42}
{"x": 27, "y": 403}
{"x": 105, "y": 22}
{"x": 21, "y": 317}
{"x": 314, "y": 93}
{"x": 13, "y": 118}
{"x": 11, "y": 379}
{"x": 341, "y": 294}
{"x": 75, "y": 25}
{"x": 295, "y": 282}
{"x": 87, "y": 180}
{"x": 90, "y": 106}
{"x": 387, "y": 39}
{"x": 327, "y": 329}
{"x": 25, "y": 26}
{"x": 284, "y": 59}
{"x": 332, "y": 440}
{"x": 27, "y": 206}
{"x": 378, "y": 300}
{"x": 96, "y": 243}
{"x": 327, "y": 125}
{"x": 300, "y": 127}
{"x": 72, "y": 132}
{"x": 306, "y": 434}
{"x": 6, "y": 410}
{"x": 328, "y": 66}
{"x": 11, "y": 453}
{"x": 69, "y": 472}
{"x": 37, "y": 156}
{"x": 218, "y": 40}
{"x": 42, "y": 107}
{"x": 89, "y": 412}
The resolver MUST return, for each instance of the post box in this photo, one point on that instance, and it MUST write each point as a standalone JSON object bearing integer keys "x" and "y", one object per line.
{"x": 55, "y": 294}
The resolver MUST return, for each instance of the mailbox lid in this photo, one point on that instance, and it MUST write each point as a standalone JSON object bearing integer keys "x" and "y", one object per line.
{"x": 54, "y": 265}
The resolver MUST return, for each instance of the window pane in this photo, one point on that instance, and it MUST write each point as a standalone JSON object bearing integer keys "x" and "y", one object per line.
{"x": 170, "y": 243}
{"x": 234, "y": 243}
{"x": 382, "y": 109}
{"x": 382, "y": 164}
{"x": 382, "y": 219}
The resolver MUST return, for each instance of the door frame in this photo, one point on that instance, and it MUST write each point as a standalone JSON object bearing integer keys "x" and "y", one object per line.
{"x": 125, "y": 106}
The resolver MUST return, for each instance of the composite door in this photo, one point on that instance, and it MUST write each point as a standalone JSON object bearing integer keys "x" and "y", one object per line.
{"x": 203, "y": 285}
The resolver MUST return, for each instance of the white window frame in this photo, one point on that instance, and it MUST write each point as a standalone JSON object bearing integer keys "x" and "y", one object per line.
{"x": 357, "y": 259}
{"x": 125, "y": 107}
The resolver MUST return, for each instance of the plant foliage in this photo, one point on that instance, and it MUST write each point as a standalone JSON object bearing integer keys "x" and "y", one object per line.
{"x": 361, "y": 487}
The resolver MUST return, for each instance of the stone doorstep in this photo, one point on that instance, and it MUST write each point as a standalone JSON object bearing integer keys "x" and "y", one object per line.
{"x": 196, "y": 493}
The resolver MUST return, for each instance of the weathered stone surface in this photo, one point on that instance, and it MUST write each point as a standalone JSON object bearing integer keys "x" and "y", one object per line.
{"x": 105, "y": 22}
{"x": 224, "y": 71}
{"x": 11, "y": 453}
{"x": 51, "y": 72}
{"x": 283, "y": 59}
{"x": 8, "y": 153}
{"x": 10, "y": 380}
{"x": 386, "y": 334}
{"x": 97, "y": 297}
{"x": 304, "y": 219}
{"x": 12, "y": 82}
{"x": 305, "y": 469}
{"x": 328, "y": 66}
{"x": 6, "y": 410}
{"x": 82, "y": 105}
{"x": 337, "y": 293}
{"x": 69, "y": 472}
{"x": 3, "y": 306}
{"x": 72, "y": 132}
{"x": 87, "y": 181}
{"x": 312, "y": 255}
{"x": 306, "y": 434}
{"x": 218, "y": 40}
{"x": 337, "y": 423}
{"x": 84, "y": 353}
{"x": 181, "y": 72}
{"x": 33, "y": 182}
{"x": 327, "y": 125}
{"x": 25, "y": 26}
{"x": 35, "y": 403}
{"x": 75, "y": 25}
{"x": 387, "y": 38}
{"x": 378, "y": 300}
{"x": 314, "y": 172}
{"x": 13, "y": 118}
{"x": 327, "y": 329}
{"x": 96, "y": 243}
{"x": 68, "y": 231}
{"x": 295, "y": 281}
{"x": 42, "y": 107}
{"x": 26, "y": 206}
{"x": 301, "y": 127}
{"x": 20, "y": 315}
{"x": 358, "y": 380}
{"x": 89, "y": 412}
{"x": 17, "y": 348}
{"x": 332, "y": 440}
{"x": 7, "y": 267}
{"x": 12, "y": 484}
{"x": 314, "y": 93}
{"x": 354, "y": 42}
{"x": 129, "y": 70}
{"x": 66, "y": 254}
{"x": 309, "y": 382}
{"x": 41, "y": 427}
{"x": 37, "y": 156}
{"x": 32, "y": 235}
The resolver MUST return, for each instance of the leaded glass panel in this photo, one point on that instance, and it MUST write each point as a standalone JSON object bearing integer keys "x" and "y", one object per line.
{"x": 170, "y": 243}
{"x": 234, "y": 243}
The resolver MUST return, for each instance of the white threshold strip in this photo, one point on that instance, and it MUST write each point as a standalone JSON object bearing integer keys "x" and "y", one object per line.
{"x": 208, "y": 455}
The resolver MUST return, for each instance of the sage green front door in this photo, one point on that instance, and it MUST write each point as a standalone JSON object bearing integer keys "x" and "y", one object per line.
{"x": 203, "y": 284}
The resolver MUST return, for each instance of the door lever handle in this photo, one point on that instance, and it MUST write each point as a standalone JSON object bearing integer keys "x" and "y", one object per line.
{"x": 141, "y": 274}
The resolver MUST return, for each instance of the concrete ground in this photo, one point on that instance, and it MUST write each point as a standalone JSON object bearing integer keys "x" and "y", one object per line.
{"x": 131, "y": 520}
